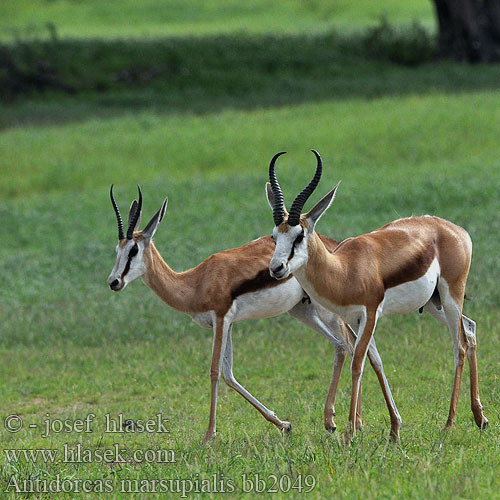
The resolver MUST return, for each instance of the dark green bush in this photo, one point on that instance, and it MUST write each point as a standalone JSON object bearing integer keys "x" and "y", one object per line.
{"x": 229, "y": 63}
{"x": 409, "y": 46}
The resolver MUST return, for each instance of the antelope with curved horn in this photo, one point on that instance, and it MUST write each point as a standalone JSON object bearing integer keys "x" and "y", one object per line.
{"x": 229, "y": 286}
{"x": 415, "y": 263}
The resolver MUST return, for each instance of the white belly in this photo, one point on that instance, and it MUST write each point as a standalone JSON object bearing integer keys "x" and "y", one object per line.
{"x": 409, "y": 296}
{"x": 268, "y": 302}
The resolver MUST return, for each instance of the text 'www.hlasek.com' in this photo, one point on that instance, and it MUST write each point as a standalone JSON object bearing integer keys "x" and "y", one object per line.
{"x": 119, "y": 455}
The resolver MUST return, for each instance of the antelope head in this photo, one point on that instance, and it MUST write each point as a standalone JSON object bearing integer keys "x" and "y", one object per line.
{"x": 293, "y": 230}
{"x": 130, "y": 248}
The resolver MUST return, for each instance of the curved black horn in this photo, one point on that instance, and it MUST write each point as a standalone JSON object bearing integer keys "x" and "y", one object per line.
{"x": 118, "y": 215}
{"x": 279, "y": 202}
{"x": 135, "y": 216}
{"x": 300, "y": 201}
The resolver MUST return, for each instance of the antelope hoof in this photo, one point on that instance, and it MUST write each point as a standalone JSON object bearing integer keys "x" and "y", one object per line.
{"x": 209, "y": 436}
{"x": 286, "y": 428}
{"x": 331, "y": 428}
{"x": 482, "y": 423}
{"x": 330, "y": 422}
{"x": 394, "y": 436}
{"x": 450, "y": 424}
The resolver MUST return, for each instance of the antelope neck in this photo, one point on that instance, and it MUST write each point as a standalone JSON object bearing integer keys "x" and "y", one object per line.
{"x": 175, "y": 289}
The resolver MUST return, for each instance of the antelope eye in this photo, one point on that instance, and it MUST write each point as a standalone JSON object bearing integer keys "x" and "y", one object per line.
{"x": 299, "y": 238}
{"x": 133, "y": 251}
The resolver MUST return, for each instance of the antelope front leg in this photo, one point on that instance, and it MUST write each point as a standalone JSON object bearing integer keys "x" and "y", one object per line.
{"x": 329, "y": 411}
{"x": 329, "y": 326}
{"x": 221, "y": 330}
{"x": 358, "y": 362}
{"x": 376, "y": 362}
{"x": 351, "y": 339}
{"x": 227, "y": 373}
{"x": 378, "y": 367}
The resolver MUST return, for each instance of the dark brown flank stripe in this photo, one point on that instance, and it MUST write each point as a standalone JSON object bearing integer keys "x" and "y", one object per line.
{"x": 263, "y": 279}
{"x": 412, "y": 269}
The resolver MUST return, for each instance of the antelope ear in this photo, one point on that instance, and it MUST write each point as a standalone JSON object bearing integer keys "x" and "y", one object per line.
{"x": 133, "y": 208}
{"x": 321, "y": 207}
{"x": 270, "y": 197}
{"x": 150, "y": 230}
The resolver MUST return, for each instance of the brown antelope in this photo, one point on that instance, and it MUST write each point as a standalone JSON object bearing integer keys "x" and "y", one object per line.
{"x": 230, "y": 286}
{"x": 416, "y": 263}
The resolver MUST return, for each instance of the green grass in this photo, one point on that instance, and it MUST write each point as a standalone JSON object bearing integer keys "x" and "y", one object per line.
{"x": 70, "y": 347}
{"x": 126, "y": 18}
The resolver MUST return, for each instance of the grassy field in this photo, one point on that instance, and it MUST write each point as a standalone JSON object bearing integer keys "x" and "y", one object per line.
{"x": 70, "y": 347}
{"x": 126, "y": 18}
{"x": 403, "y": 140}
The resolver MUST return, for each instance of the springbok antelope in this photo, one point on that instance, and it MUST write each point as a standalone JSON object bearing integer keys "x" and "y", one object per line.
{"x": 230, "y": 286}
{"x": 416, "y": 263}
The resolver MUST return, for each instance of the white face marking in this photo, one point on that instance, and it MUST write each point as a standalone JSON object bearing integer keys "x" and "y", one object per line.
{"x": 128, "y": 265}
{"x": 290, "y": 253}
{"x": 409, "y": 296}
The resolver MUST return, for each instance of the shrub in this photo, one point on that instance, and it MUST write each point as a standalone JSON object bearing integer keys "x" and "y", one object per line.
{"x": 407, "y": 46}
{"x": 229, "y": 63}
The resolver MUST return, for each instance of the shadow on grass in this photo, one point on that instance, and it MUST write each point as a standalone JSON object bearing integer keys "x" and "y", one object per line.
{"x": 58, "y": 81}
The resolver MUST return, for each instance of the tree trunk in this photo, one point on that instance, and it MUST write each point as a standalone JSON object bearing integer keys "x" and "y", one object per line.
{"x": 469, "y": 30}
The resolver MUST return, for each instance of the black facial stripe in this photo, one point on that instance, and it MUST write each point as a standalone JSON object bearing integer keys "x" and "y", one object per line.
{"x": 127, "y": 267}
{"x": 298, "y": 239}
{"x": 133, "y": 251}
{"x": 131, "y": 255}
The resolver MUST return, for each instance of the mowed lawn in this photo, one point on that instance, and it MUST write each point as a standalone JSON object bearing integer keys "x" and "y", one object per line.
{"x": 126, "y": 18}
{"x": 70, "y": 347}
